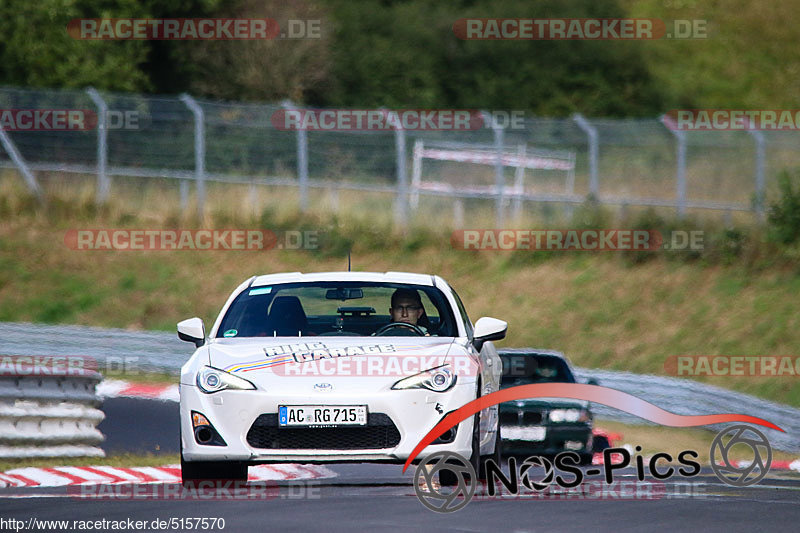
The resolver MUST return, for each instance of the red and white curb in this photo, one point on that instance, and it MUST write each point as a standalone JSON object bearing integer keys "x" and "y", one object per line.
{"x": 776, "y": 465}
{"x": 108, "y": 475}
{"x": 115, "y": 388}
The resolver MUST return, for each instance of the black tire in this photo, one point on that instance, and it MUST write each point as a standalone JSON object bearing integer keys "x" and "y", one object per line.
{"x": 600, "y": 443}
{"x": 193, "y": 471}
{"x": 497, "y": 456}
{"x": 448, "y": 478}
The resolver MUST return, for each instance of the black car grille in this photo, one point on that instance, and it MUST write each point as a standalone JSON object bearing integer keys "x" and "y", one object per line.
{"x": 509, "y": 418}
{"x": 532, "y": 417}
{"x": 380, "y": 432}
{"x": 526, "y": 418}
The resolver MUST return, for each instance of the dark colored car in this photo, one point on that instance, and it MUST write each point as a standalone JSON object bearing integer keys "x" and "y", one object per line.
{"x": 543, "y": 426}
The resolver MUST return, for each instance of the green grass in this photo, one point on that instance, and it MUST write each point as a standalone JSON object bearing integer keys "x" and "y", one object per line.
{"x": 155, "y": 378}
{"x": 622, "y": 311}
{"x": 671, "y": 440}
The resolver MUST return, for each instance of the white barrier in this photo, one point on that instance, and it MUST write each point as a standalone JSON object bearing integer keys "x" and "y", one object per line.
{"x": 50, "y": 416}
{"x": 521, "y": 158}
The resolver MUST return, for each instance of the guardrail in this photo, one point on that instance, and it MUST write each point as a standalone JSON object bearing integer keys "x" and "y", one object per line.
{"x": 47, "y": 412}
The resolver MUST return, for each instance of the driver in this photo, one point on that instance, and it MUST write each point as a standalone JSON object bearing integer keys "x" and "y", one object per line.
{"x": 407, "y": 307}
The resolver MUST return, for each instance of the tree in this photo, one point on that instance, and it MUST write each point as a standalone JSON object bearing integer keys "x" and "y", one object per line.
{"x": 262, "y": 70}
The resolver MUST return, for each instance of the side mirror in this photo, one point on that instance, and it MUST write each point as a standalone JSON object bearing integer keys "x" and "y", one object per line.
{"x": 488, "y": 329}
{"x": 192, "y": 330}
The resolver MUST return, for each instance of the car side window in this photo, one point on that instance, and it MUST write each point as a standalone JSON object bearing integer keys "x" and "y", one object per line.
{"x": 463, "y": 313}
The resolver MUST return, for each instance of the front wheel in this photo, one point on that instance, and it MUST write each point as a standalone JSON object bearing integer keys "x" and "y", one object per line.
{"x": 199, "y": 470}
{"x": 203, "y": 470}
{"x": 478, "y": 462}
{"x": 496, "y": 457}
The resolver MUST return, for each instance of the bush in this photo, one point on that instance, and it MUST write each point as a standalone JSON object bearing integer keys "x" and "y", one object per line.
{"x": 784, "y": 213}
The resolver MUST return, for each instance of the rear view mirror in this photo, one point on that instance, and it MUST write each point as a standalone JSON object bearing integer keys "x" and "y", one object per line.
{"x": 342, "y": 293}
{"x": 192, "y": 330}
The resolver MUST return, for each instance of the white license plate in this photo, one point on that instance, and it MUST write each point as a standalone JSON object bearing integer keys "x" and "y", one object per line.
{"x": 530, "y": 433}
{"x": 322, "y": 415}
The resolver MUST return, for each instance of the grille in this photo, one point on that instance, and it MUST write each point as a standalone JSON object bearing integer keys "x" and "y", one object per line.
{"x": 380, "y": 432}
{"x": 509, "y": 418}
{"x": 526, "y": 418}
{"x": 532, "y": 417}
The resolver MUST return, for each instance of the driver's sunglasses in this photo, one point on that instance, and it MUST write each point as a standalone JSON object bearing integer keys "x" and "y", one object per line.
{"x": 407, "y": 308}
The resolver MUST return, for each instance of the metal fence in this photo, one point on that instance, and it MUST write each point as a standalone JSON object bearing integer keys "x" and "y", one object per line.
{"x": 628, "y": 162}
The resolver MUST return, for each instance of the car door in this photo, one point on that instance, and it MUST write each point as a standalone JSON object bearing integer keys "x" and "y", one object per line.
{"x": 491, "y": 370}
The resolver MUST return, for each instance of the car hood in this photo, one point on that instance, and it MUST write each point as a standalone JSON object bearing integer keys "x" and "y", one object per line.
{"x": 368, "y": 363}
{"x": 545, "y": 403}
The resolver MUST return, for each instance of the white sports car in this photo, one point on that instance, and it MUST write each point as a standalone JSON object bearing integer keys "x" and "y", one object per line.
{"x": 335, "y": 367}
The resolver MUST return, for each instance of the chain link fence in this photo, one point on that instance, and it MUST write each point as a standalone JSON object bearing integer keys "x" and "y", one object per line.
{"x": 191, "y": 142}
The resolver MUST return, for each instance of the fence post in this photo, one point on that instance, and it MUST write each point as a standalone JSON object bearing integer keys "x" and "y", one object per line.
{"x": 401, "y": 201}
{"x": 22, "y": 166}
{"x": 519, "y": 176}
{"x": 416, "y": 172}
{"x": 499, "y": 177}
{"x": 103, "y": 183}
{"x": 458, "y": 213}
{"x": 591, "y": 133}
{"x": 253, "y": 194}
{"x": 760, "y": 167}
{"x": 302, "y": 159}
{"x": 199, "y": 151}
{"x": 680, "y": 172}
{"x": 184, "y": 191}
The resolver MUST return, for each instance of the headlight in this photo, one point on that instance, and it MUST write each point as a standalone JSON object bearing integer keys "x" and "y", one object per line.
{"x": 565, "y": 415}
{"x": 437, "y": 379}
{"x": 211, "y": 379}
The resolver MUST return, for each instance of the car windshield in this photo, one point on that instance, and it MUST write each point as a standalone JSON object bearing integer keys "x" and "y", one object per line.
{"x": 337, "y": 309}
{"x": 525, "y": 369}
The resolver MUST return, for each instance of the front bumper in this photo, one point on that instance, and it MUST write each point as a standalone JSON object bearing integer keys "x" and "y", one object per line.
{"x": 232, "y": 413}
{"x": 557, "y": 438}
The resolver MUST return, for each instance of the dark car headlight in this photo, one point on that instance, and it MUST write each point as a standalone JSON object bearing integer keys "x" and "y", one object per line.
{"x": 570, "y": 415}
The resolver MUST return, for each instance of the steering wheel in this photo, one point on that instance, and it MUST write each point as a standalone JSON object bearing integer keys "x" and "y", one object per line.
{"x": 392, "y": 325}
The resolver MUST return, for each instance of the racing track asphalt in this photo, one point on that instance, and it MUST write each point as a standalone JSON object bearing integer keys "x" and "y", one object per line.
{"x": 134, "y": 425}
{"x": 379, "y": 497}
{"x": 388, "y": 503}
